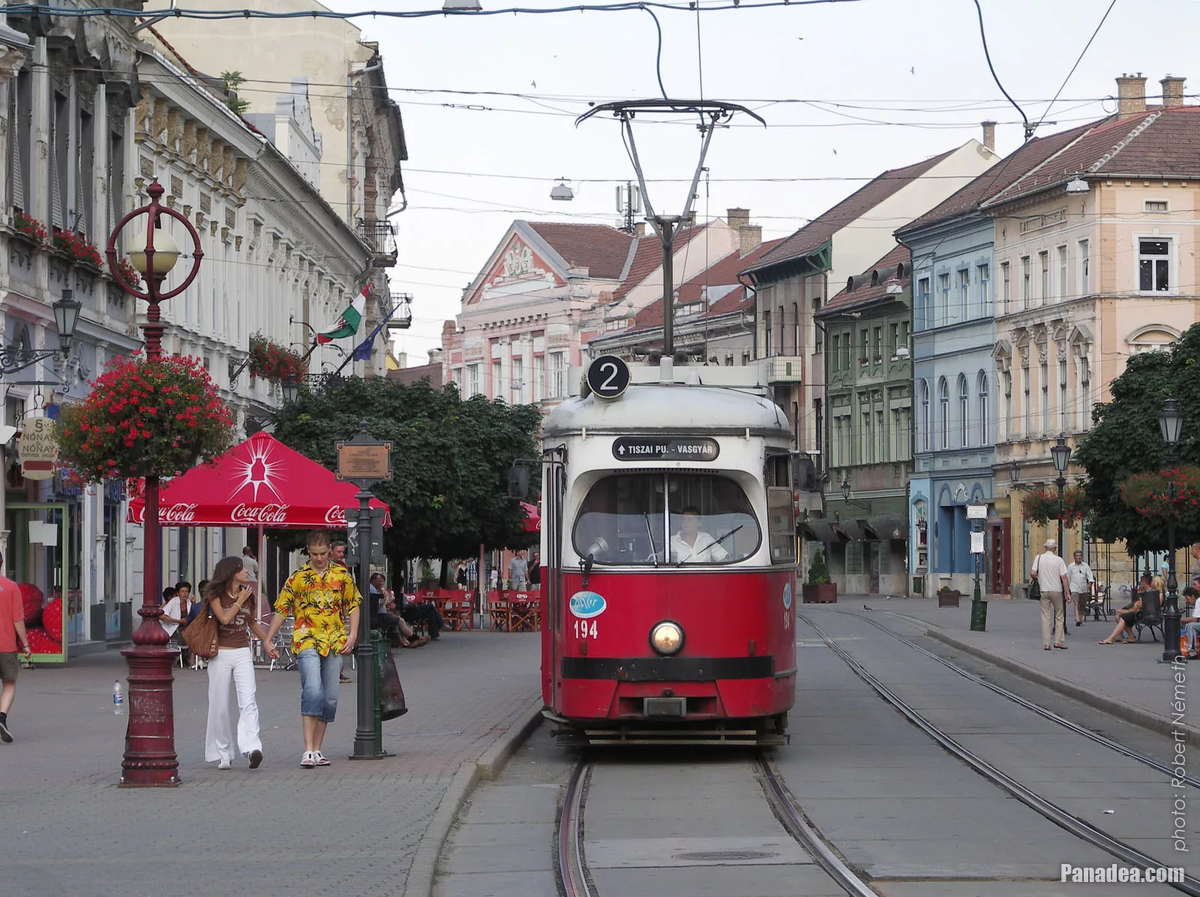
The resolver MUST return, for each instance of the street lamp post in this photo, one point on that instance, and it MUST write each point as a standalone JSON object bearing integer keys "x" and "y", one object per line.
{"x": 1170, "y": 423}
{"x": 150, "y": 758}
{"x": 1061, "y": 455}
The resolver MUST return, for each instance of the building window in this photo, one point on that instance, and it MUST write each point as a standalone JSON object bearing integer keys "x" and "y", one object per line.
{"x": 925, "y": 415}
{"x": 924, "y": 315}
{"x": 539, "y": 377}
{"x": 877, "y": 345}
{"x": 1006, "y": 387}
{"x": 964, "y": 289}
{"x": 893, "y": 339}
{"x": 964, "y": 402}
{"x": 1044, "y": 274}
{"x": 497, "y": 380}
{"x": 868, "y": 454}
{"x": 1062, "y": 396}
{"x": 943, "y": 312}
{"x": 558, "y": 375}
{"x": 1026, "y": 282}
{"x": 1027, "y": 409}
{"x": 1156, "y": 205}
{"x": 835, "y": 357}
{"x": 782, "y": 345}
{"x": 985, "y": 299}
{"x": 1154, "y": 257}
{"x": 796, "y": 328}
{"x": 1062, "y": 273}
{"x": 1044, "y": 378}
{"x": 982, "y": 383}
{"x": 864, "y": 343}
{"x": 1006, "y": 287}
{"x": 1085, "y": 284}
{"x": 472, "y": 384}
{"x": 880, "y": 438}
{"x": 767, "y": 332}
{"x": 847, "y": 348}
{"x": 944, "y": 411}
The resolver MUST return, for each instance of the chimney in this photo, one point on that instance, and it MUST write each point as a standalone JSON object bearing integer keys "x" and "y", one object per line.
{"x": 737, "y": 217}
{"x": 1172, "y": 90}
{"x": 750, "y": 236}
{"x": 639, "y": 229}
{"x": 402, "y": 360}
{"x": 989, "y": 135}
{"x": 1131, "y": 95}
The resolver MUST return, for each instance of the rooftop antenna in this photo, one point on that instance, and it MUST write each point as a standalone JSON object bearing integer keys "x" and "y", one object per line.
{"x": 712, "y": 114}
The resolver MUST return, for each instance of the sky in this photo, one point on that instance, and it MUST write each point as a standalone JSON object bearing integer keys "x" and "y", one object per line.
{"x": 848, "y": 90}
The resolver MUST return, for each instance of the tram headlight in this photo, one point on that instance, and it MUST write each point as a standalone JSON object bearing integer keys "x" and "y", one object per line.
{"x": 666, "y": 638}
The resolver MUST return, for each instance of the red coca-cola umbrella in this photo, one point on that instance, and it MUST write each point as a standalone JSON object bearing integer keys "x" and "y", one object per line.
{"x": 262, "y": 483}
{"x": 533, "y": 518}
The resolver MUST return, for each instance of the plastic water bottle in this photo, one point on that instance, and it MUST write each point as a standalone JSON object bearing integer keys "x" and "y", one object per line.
{"x": 118, "y": 699}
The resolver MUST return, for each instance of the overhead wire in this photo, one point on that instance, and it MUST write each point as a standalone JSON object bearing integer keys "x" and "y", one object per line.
{"x": 1082, "y": 53}
{"x": 988, "y": 56}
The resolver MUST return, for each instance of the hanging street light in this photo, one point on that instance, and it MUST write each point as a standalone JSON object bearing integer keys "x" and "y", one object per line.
{"x": 66, "y": 317}
{"x": 1170, "y": 425}
{"x": 562, "y": 191}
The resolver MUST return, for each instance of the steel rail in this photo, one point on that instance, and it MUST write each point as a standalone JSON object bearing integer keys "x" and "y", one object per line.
{"x": 572, "y": 875}
{"x": 1157, "y": 765}
{"x": 1085, "y": 831}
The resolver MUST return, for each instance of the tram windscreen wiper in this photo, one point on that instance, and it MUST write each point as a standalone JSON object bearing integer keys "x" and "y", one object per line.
{"x": 709, "y": 545}
{"x": 650, "y": 534}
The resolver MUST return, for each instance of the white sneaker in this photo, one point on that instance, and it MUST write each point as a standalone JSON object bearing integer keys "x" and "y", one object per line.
{"x": 308, "y": 761}
{"x": 225, "y": 764}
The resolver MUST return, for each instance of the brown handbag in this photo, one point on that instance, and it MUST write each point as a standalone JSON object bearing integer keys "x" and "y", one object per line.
{"x": 201, "y": 635}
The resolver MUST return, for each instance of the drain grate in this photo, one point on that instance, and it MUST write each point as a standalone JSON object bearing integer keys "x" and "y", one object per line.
{"x": 701, "y": 856}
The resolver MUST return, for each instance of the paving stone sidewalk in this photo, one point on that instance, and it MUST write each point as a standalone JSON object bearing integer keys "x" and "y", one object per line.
{"x": 352, "y": 828}
{"x": 1125, "y": 680}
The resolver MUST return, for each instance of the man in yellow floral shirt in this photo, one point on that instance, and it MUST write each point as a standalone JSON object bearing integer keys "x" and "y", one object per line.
{"x": 319, "y": 595}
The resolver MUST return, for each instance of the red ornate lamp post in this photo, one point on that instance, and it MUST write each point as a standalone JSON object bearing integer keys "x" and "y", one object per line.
{"x": 150, "y": 758}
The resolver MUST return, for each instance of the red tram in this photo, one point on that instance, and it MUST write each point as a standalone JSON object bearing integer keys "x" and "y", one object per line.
{"x": 669, "y": 559}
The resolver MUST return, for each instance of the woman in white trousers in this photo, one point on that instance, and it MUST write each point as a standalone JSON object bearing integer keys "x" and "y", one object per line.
{"x": 232, "y": 602}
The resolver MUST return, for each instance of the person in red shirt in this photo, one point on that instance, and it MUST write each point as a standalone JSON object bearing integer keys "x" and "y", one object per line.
{"x": 12, "y": 627}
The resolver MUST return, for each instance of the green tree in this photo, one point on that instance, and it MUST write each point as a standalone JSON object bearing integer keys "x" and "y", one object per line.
{"x": 1126, "y": 440}
{"x": 450, "y": 459}
{"x": 232, "y": 81}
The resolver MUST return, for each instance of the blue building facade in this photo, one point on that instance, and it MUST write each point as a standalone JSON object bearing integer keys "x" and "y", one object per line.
{"x": 954, "y": 402}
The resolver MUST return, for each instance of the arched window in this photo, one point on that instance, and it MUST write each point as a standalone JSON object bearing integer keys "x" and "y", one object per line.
{"x": 964, "y": 411}
{"x": 983, "y": 408}
{"x": 944, "y": 411}
{"x": 925, "y": 440}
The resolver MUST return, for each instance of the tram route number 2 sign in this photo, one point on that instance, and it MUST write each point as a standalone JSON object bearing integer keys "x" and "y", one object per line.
{"x": 654, "y": 448}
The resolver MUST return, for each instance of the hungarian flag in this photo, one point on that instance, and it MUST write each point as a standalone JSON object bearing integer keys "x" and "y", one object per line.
{"x": 347, "y": 325}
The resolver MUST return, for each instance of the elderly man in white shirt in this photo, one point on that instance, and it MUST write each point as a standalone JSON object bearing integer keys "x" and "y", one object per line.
{"x": 1080, "y": 580}
{"x": 1051, "y": 573}
{"x": 691, "y": 545}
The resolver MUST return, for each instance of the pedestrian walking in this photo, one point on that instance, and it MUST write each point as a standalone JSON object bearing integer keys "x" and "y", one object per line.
{"x": 319, "y": 596}
{"x": 250, "y": 563}
{"x": 12, "y": 630}
{"x": 1081, "y": 580}
{"x": 518, "y": 572}
{"x": 1051, "y": 572}
{"x": 231, "y": 600}
{"x": 535, "y": 570}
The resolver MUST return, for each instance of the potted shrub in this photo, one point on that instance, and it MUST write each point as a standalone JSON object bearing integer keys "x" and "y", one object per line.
{"x": 948, "y": 597}
{"x": 819, "y": 589}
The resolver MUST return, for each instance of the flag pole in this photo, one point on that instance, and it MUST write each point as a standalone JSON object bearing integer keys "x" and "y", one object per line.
{"x": 369, "y": 339}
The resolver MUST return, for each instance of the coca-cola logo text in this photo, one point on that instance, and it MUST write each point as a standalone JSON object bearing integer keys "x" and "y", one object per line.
{"x": 180, "y": 512}
{"x": 335, "y": 516}
{"x": 266, "y": 514}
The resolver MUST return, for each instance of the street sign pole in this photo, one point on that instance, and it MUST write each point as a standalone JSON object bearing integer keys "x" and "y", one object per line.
{"x": 363, "y": 461}
{"x": 978, "y": 605}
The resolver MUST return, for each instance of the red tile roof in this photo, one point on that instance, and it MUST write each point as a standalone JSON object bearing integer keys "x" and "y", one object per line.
{"x": 869, "y": 292}
{"x": 599, "y": 248}
{"x": 821, "y": 229}
{"x": 724, "y": 273}
{"x": 1163, "y": 142}
{"x": 648, "y": 258}
{"x": 998, "y": 178}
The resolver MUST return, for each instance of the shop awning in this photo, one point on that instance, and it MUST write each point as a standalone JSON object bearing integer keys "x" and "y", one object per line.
{"x": 820, "y": 530}
{"x": 260, "y": 482}
{"x": 888, "y": 526}
{"x": 853, "y": 530}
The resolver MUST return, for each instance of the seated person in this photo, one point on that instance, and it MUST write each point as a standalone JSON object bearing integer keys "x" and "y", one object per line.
{"x": 1126, "y": 618}
{"x": 176, "y": 605}
{"x": 382, "y": 620}
{"x": 691, "y": 545}
{"x": 413, "y": 611}
{"x": 1190, "y": 621}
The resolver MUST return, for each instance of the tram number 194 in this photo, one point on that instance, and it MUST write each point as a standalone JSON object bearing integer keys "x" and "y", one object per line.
{"x": 584, "y": 630}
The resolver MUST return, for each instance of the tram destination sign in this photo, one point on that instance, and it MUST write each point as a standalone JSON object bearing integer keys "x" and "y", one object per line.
{"x": 659, "y": 448}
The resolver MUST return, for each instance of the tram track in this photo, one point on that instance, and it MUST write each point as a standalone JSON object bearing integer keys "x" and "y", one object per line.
{"x": 1041, "y": 711}
{"x": 1080, "y": 828}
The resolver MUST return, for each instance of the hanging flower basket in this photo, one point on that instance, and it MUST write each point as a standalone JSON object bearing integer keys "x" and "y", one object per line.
{"x": 77, "y": 248}
{"x": 1041, "y": 506}
{"x": 146, "y": 416}
{"x": 129, "y": 274}
{"x": 273, "y": 362}
{"x": 30, "y": 228}
{"x": 1165, "y": 495}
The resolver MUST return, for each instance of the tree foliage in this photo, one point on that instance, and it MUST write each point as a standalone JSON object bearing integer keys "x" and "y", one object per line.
{"x": 1125, "y": 440}
{"x": 450, "y": 459}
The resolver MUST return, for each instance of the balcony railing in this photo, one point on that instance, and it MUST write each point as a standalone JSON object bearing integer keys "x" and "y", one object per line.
{"x": 380, "y": 237}
{"x": 785, "y": 369}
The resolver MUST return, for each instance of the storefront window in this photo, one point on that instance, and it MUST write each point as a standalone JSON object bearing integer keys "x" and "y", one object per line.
{"x": 35, "y": 559}
{"x": 661, "y": 519}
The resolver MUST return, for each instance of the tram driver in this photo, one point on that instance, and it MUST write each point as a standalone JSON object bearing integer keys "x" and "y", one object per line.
{"x": 691, "y": 545}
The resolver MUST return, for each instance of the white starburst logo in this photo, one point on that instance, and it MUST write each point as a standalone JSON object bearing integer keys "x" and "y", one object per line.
{"x": 258, "y": 472}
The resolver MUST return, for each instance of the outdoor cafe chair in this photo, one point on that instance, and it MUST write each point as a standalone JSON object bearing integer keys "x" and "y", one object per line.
{"x": 500, "y": 611}
{"x": 524, "y": 617}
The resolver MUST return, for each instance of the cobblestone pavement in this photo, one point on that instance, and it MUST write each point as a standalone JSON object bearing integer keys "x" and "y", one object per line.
{"x": 352, "y": 828}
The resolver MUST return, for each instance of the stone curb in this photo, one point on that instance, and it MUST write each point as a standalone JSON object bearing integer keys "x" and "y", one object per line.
{"x": 1121, "y": 710}
{"x": 421, "y": 873}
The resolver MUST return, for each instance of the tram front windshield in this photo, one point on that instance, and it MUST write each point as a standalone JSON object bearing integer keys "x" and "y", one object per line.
{"x": 666, "y": 519}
